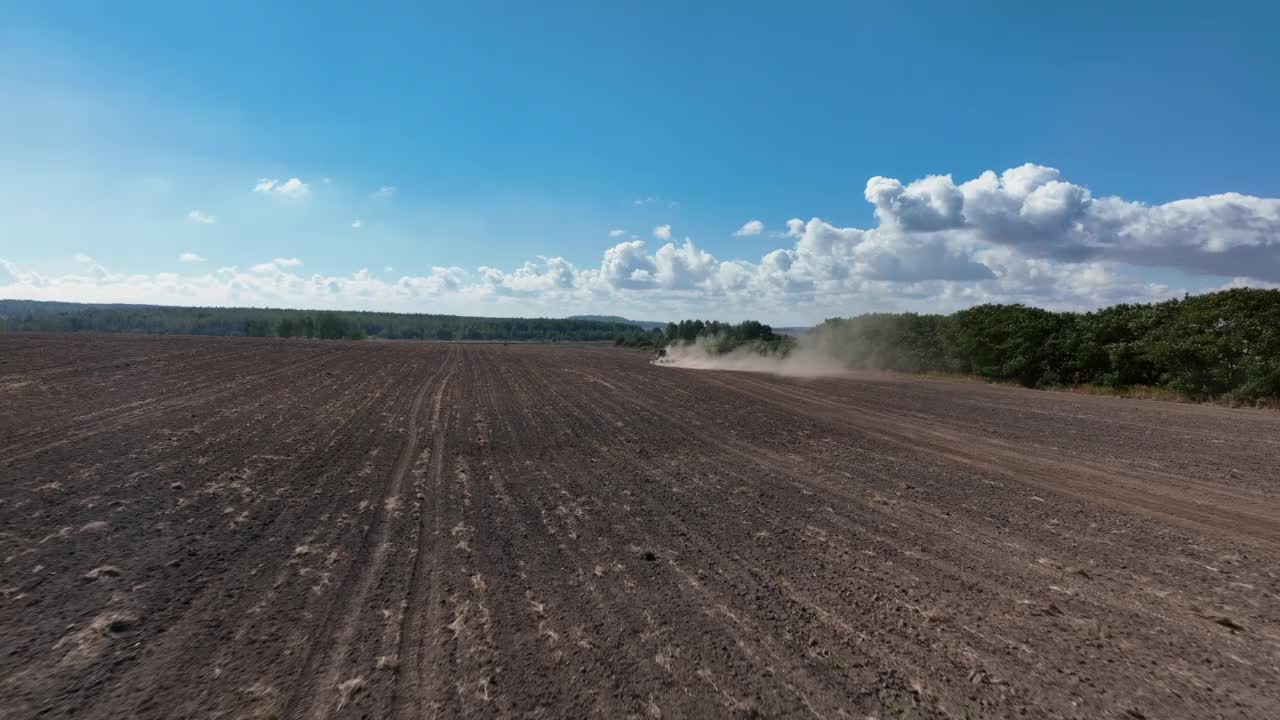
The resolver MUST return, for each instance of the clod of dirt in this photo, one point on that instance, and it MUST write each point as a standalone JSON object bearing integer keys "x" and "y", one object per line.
{"x": 121, "y": 622}
{"x": 649, "y": 556}
{"x": 1227, "y": 622}
{"x": 85, "y": 645}
{"x": 97, "y": 526}
{"x": 1220, "y": 619}
{"x": 1050, "y": 610}
{"x": 937, "y": 615}
{"x": 350, "y": 689}
{"x": 106, "y": 571}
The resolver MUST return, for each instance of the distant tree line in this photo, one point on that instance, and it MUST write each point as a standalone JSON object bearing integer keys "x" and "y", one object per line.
{"x": 1222, "y": 344}
{"x": 38, "y": 316}
{"x": 1219, "y": 344}
{"x": 639, "y": 338}
{"x": 718, "y": 337}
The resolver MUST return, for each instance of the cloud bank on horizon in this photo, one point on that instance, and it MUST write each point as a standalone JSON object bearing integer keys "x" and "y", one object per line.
{"x": 1022, "y": 235}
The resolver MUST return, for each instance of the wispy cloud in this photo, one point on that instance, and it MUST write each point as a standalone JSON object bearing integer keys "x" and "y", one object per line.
{"x": 190, "y": 257}
{"x": 276, "y": 265}
{"x": 357, "y": 224}
{"x": 293, "y": 187}
{"x": 202, "y": 218}
{"x": 654, "y": 200}
{"x": 385, "y": 191}
{"x": 751, "y": 227}
{"x": 82, "y": 258}
{"x": 617, "y": 232}
{"x": 662, "y": 232}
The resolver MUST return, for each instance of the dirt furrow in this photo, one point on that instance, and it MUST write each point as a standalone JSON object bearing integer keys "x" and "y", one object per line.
{"x": 329, "y": 680}
{"x": 265, "y": 528}
{"x": 420, "y": 619}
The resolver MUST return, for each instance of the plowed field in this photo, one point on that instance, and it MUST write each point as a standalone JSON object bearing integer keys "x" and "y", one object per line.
{"x": 289, "y": 529}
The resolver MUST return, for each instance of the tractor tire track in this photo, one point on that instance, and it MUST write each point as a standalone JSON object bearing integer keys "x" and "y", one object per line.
{"x": 316, "y": 695}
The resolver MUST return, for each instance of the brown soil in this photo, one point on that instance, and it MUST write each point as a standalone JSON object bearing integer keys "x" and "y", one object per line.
{"x": 258, "y": 528}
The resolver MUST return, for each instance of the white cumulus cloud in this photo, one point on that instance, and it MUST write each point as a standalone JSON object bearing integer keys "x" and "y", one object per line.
{"x": 751, "y": 227}
{"x": 201, "y": 218}
{"x": 190, "y": 257}
{"x": 1022, "y": 235}
{"x": 1033, "y": 209}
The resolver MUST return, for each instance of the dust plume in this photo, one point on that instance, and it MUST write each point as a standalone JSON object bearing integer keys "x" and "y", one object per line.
{"x": 808, "y": 358}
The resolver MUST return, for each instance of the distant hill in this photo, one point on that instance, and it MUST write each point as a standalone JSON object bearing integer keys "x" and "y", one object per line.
{"x": 618, "y": 320}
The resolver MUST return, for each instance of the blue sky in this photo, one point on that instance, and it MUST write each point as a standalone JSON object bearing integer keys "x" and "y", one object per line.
{"x": 473, "y": 138}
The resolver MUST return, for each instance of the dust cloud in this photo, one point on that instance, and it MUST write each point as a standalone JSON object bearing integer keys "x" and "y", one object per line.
{"x": 810, "y": 358}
